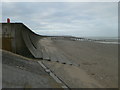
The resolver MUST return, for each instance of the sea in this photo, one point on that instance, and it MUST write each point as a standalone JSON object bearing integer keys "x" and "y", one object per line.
{"x": 106, "y": 40}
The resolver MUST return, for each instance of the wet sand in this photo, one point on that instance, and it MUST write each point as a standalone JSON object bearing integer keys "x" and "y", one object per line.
{"x": 98, "y": 60}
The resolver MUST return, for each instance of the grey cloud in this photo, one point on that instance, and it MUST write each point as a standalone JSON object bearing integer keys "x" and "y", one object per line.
{"x": 84, "y": 19}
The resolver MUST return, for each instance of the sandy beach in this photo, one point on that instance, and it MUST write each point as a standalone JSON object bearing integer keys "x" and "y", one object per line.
{"x": 98, "y": 60}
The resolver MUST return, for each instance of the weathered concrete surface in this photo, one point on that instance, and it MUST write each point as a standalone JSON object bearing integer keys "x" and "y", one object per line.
{"x": 21, "y": 72}
{"x": 13, "y": 33}
{"x": 73, "y": 76}
{"x": 31, "y": 41}
{"x": 53, "y": 53}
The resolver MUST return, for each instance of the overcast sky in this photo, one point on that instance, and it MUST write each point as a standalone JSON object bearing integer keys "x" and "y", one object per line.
{"x": 70, "y": 18}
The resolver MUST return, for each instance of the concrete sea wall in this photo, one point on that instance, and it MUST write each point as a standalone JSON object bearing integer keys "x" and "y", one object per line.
{"x": 18, "y": 38}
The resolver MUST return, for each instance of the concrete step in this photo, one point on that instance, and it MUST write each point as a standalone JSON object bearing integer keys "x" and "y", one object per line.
{"x": 45, "y": 54}
{"x": 51, "y": 55}
{"x": 64, "y": 59}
